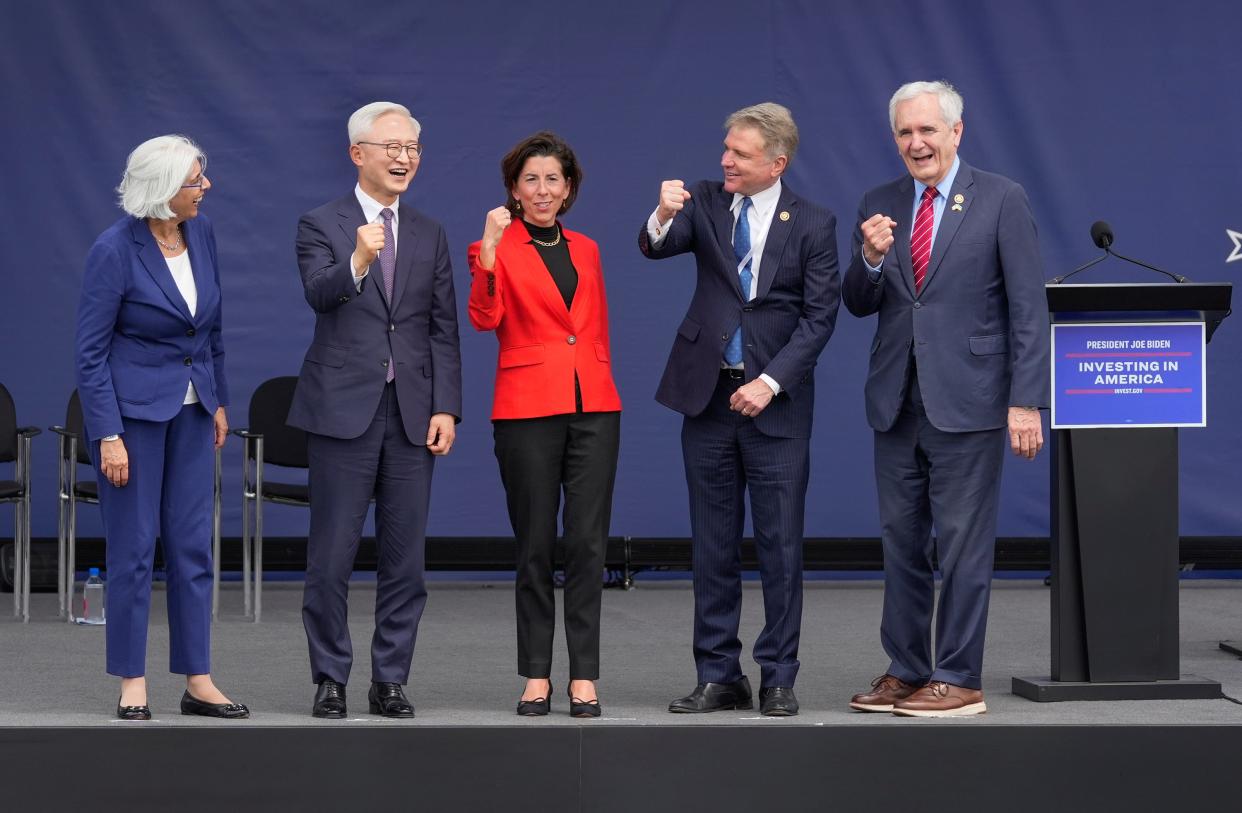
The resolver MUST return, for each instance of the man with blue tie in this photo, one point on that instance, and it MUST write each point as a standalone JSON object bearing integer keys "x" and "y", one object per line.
{"x": 959, "y": 360}
{"x": 379, "y": 395}
{"x": 741, "y": 372}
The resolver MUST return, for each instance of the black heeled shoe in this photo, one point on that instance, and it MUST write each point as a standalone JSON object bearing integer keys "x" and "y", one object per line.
{"x": 225, "y": 711}
{"x": 539, "y": 707}
{"x": 132, "y": 712}
{"x": 583, "y": 708}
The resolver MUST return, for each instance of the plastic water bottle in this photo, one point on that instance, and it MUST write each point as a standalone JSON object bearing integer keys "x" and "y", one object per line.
{"x": 93, "y": 599}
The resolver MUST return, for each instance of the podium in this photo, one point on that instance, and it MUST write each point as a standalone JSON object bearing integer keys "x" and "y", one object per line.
{"x": 1128, "y": 378}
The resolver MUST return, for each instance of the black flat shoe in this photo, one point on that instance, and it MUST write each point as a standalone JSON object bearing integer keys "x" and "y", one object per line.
{"x": 714, "y": 697}
{"x": 132, "y": 712}
{"x": 778, "y": 701}
{"x": 329, "y": 700}
{"x": 583, "y": 708}
{"x": 225, "y": 711}
{"x": 388, "y": 700}
{"x": 539, "y": 707}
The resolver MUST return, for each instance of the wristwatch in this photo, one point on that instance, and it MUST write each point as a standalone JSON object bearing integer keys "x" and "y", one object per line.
{"x": 111, "y": 437}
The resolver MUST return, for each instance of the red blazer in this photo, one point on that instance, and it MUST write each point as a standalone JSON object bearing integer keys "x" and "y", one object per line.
{"x": 542, "y": 344}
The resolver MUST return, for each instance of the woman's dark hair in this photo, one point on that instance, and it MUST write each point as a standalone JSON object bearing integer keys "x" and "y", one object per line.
{"x": 545, "y": 143}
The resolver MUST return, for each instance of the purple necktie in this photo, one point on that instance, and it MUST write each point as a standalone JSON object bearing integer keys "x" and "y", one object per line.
{"x": 388, "y": 270}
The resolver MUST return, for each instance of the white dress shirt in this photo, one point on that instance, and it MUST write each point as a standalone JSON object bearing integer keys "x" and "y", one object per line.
{"x": 183, "y": 276}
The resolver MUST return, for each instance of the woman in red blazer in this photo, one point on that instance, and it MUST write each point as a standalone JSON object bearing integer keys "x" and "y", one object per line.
{"x": 556, "y": 413}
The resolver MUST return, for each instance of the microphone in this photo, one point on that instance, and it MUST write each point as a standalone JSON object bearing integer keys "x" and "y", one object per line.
{"x": 1102, "y": 236}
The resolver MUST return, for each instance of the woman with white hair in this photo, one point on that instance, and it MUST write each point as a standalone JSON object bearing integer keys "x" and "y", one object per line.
{"x": 150, "y": 374}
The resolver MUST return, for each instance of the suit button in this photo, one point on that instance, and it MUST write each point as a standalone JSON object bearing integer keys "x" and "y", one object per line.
{"x": 747, "y": 310}
{"x": 384, "y": 363}
{"x": 190, "y": 332}
{"x": 189, "y": 362}
{"x": 392, "y": 328}
{"x": 918, "y": 305}
{"x": 344, "y": 299}
{"x": 572, "y": 339}
{"x": 724, "y": 337}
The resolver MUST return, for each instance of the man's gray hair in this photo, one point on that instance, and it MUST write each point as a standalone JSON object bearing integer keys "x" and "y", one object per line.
{"x": 950, "y": 100}
{"x": 363, "y": 119}
{"x": 774, "y": 122}
{"x": 155, "y": 172}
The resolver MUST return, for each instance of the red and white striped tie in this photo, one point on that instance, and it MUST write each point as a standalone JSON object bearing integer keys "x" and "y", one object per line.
{"x": 921, "y": 237}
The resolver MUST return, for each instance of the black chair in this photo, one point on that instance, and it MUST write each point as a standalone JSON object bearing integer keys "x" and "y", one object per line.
{"x": 72, "y": 491}
{"x": 268, "y": 442}
{"x": 15, "y": 449}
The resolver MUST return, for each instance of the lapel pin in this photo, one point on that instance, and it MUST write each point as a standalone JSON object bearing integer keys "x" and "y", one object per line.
{"x": 957, "y": 207}
{"x": 959, "y": 198}
{"x": 784, "y": 215}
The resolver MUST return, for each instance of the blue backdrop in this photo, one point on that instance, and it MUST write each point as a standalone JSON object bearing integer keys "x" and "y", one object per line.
{"x": 1113, "y": 109}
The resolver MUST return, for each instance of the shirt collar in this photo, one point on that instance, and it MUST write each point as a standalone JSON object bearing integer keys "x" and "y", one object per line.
{"x": 371, "y": 207}
{"x": 945, "y": 186}
{"x": 763, "y": 202}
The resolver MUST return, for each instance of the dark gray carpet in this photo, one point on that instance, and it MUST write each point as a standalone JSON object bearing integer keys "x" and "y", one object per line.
{"x": 464, "y": 669}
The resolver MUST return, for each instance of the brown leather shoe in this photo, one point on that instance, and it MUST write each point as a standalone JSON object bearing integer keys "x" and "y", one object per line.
{"x": 885, "y": 691}
{"x": 940, "y": 699}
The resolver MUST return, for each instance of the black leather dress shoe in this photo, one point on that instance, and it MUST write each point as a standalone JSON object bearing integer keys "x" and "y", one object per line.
{"x": 132, "y": 712}
{"x": 388, "y": 699}
{"x": 538, "y": 707}
{"x": 778, "y": 701}
{"x": 583, "y": 708}
{"x": 329, "y": 700}
{"x": 714, "y": 697}
{"x": 225, "y": 711}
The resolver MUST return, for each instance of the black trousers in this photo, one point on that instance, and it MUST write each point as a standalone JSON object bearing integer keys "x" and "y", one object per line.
{"x": 539, "y": 459}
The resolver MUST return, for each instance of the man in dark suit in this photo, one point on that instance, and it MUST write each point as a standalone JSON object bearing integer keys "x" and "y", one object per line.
{"x": 741, "y": 371}
{"x": 380, "y": 396}
{"x": 960, "y": 357}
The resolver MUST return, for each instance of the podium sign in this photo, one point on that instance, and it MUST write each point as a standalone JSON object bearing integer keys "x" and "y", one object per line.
{"x": 1138, "y": 374}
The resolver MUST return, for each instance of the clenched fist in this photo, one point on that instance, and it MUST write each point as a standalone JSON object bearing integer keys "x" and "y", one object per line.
{"x": 877, "y": 235}
{"x": 673, "y": 196}
{"x": 370, "y": 241}
{"x": 494, "y": 226}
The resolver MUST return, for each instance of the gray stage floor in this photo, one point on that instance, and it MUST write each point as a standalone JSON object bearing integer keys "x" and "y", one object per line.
{"x": 464, "y": 667}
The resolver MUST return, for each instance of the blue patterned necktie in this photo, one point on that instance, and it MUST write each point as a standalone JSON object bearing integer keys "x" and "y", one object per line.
{"x": 388, "y": 270}
{"x": 741, "y": 248}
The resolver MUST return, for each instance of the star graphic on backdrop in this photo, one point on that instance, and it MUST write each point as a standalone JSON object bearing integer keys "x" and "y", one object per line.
{"x": 1236, "y": 237}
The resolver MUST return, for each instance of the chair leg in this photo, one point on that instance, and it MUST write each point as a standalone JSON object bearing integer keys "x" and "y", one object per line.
{"x": 258, "y": 560}
{"x": 26, "y": 556}
{"x": 215, "y": 542}
{"x": 245, "y": 543}
{"x": 17, "y": 560}
{"x": 71, "y": 560}
{"x": 60, "y": 535}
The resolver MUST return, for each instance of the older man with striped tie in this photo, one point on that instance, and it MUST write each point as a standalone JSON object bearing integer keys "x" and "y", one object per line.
{"x": 959, "y": 361}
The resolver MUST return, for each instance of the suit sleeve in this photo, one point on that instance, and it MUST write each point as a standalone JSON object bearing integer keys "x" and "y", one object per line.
{"x": 486, "y": 307}
{"x": 327, "y": 280}
{"x": 821, "y": 289}
{"x": 103, "y": 288}
{"x": 680, "y": 237}
{"x": 217, "y": 325}
{"x": 862, "y": 294}
{"x": 442, "y": 331}
{"x": 1029, "y": 341}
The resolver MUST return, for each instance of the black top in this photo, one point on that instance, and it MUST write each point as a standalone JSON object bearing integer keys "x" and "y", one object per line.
{"x": 556, "y": 258}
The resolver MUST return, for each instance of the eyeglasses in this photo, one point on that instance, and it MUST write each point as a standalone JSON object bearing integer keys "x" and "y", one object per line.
{"x": 202, "y": 179}
{"x": 413, "y": 149}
